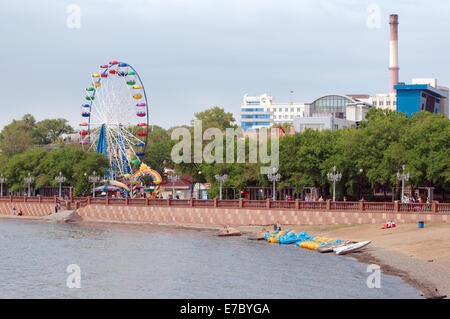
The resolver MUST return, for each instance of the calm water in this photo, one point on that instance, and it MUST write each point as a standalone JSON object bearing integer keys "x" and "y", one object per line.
{"x": 122, "y": 261}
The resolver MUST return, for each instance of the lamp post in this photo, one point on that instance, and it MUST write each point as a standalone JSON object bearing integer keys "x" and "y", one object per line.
{"x": 29, "y": 179}
{"x": 403, "y": 177}
{"x": 274, "y": 178}
{"x": 361, "y": 171}
{"x": 173, "y": 179}
{"x": 94, "y": 178}
{"x": 221, "y": 179}
{"x": 334, "y": 177}
{"x": 60, "y": 179}
{"x": 2, "y": 181}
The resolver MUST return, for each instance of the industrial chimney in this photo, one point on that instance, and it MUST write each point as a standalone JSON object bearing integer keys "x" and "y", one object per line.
{"x": 393, "y": 58}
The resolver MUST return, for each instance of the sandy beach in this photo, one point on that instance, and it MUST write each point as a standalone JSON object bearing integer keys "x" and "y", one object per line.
{"x": 420, "y": 256}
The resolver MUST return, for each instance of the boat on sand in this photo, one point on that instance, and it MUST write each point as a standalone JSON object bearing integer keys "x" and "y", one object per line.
{"x": 351, "y": 248}
{"x": 329, "y": 248}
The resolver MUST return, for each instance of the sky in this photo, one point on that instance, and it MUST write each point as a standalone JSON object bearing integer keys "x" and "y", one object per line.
{"x": 196, "y": 54}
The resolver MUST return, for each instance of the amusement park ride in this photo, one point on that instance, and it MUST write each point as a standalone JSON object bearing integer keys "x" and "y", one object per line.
{"x": 115, "y": 124}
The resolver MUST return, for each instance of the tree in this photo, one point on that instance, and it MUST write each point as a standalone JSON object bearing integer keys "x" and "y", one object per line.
{"x": 45, "y": 166}
{"x": 216, "y": 117}
{"x": 49, "y": 130}
{"x": 158, "y": 148}
{"x": 18, "y": 136}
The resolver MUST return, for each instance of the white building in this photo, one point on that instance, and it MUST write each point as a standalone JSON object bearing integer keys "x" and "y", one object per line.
{"x": 386, "y": 101}
{"x": 332, "y": 112}
{"x": 260, "y": 111}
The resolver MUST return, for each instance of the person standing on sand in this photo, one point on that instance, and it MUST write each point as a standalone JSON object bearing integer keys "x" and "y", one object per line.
{"x": 14, "y": 210}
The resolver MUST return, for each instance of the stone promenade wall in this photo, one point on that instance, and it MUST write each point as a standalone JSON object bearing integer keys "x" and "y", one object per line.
{"x": 241, "y": 217}
{"x": 28, "y": 209}
{"x": 231, "y": 212}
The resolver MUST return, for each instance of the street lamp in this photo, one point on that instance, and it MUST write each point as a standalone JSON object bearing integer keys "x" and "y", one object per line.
{"x": 403, "y": 177}
{"x": 60, "y": 179}
{"x": 334, "y": 177}
{"x": 361, "y": 171}
{"x": 221, "y": 179}
{"x": 29, "y": 179}
{"x": 274, "y": 178}
{"x": 94, "y": 178}
{"x": 173, "y": 179}
{"x": 2, "y": 181}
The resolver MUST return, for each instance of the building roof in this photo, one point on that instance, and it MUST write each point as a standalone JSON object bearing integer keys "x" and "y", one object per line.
{"x": 184, "y": 181}
{"x": 421, "y": 87}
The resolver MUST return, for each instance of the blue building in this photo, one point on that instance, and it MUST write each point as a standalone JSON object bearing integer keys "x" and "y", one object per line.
{"x": 413, "y": 98}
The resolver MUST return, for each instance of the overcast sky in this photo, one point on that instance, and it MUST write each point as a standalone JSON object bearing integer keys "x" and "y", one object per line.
{"x": 193, "y": 54}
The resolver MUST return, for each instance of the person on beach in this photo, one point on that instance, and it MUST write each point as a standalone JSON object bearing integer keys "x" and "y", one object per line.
{"x": 321, "y": 199}
{"x": 56, "y": 209}
{"x": 277, "y": 226}
{"x": 20, "y": 213}
{"x": 14, "y": 210}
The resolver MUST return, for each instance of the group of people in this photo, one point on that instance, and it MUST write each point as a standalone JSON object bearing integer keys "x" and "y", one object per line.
{"x": 20, "y": 213}
{"x": 313, "y": 198}
{"x": 414, "y": 199}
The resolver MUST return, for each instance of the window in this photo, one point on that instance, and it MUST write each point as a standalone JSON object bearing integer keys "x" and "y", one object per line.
{"x": 388, "y": 102}
{"x": 381, "y": 103}
{"x": 280, "y": 110}
{"x": 298, "y": 110}
{"x": 286, "y": 109}
{"x": 374, "y": 103}
{"x": 252, "y": 110}
{"x": 292, "y": 109}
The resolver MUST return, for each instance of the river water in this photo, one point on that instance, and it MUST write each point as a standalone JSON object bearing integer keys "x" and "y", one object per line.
{"x": 133, "y": 261}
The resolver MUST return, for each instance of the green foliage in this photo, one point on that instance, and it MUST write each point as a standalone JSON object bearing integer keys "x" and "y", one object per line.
{"x": 216, "y": 117}
{"x": 21, "y": 135}
{"x": 45, "y": 166}
{"x": 159, "y": 146}
{"x": 379, "y": 147}
{"x": 49, "y": 130}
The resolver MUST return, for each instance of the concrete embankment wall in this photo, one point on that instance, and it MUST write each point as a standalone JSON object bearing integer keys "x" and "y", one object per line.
{"x": 242, "y": 217}
{"x": 170, "y": 215}
{"x": 28, "y": 209}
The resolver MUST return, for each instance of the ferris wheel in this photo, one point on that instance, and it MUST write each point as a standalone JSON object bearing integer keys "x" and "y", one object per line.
{"x": 115, "y": 117}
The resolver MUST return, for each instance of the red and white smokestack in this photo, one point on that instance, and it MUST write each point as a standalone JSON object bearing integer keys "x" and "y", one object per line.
{"x": 393, "y": 57}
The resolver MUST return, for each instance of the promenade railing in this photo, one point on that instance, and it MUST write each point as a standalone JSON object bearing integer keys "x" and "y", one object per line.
{"x": 268, "y": 204}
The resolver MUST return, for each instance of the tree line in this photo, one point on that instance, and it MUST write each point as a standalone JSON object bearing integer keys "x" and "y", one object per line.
{"x": 368, "y": 156}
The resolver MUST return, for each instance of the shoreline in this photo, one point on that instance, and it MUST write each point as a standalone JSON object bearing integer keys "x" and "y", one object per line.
{"x": 432, "y": 279}
{"x": 405, "y": 251}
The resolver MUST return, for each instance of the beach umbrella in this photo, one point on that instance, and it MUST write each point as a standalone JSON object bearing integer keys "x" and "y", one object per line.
{"x": 107, "y": 188}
